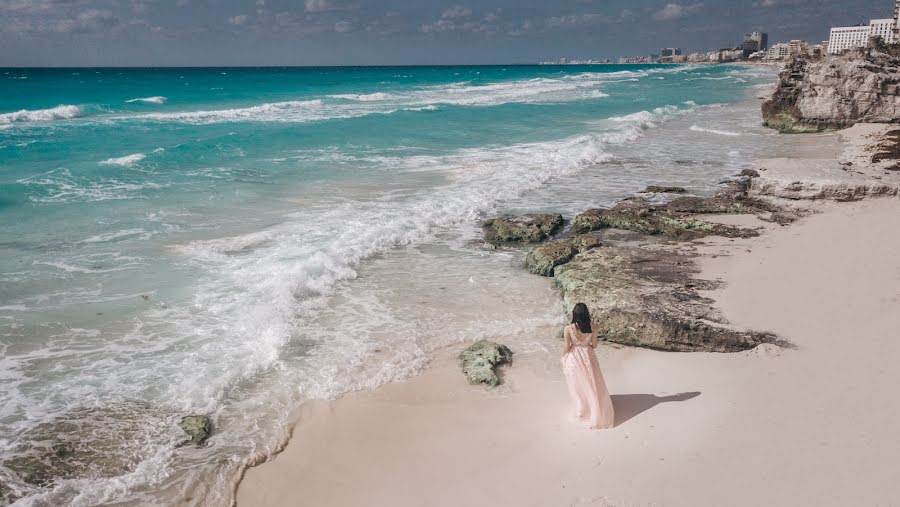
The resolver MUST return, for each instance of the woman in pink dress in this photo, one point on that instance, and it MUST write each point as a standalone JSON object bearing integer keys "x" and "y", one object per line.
{"x": 586, "y": 385}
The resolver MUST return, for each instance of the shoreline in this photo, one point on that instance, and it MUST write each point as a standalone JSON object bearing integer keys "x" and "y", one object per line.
{"x": 677, "y": 414}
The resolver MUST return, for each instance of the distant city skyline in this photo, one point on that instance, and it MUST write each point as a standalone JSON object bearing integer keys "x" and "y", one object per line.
{"x": 384, "y": 32}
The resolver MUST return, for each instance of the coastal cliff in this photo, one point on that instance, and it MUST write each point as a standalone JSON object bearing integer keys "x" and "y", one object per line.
{"x": 835, "y": 92}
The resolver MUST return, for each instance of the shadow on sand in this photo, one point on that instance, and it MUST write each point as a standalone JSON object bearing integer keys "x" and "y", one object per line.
{"x": 630, "y": 405}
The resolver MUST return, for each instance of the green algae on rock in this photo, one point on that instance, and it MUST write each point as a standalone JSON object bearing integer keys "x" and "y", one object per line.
{"x": 197, "y": 427}
{"x": 644, "y": 218}
{"x": 530, "y": 228}
{"x": 479, "y": 360}
{"x": 543, "y": 258}
{"x": 646, "y": 296}
{"x": 584, "y": 242}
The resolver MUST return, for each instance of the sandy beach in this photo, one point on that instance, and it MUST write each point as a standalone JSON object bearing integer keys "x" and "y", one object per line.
{"x": 805, "y": 426}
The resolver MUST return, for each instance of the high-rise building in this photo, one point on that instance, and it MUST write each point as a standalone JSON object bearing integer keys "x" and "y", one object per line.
{"x": 778, "y": 51}
{"x": 847, "y": 37}
{"x": 896, "y": 20}
{"x": 755, "y": 41}
{"x": 883, "y": 28}
{"x": 843, "y": 38}
{"x": 669, "y": 55}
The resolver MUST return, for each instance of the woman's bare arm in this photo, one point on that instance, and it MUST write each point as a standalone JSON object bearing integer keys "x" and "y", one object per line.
{"x": 567, "y": 343}
{"x": 594, "y": 338}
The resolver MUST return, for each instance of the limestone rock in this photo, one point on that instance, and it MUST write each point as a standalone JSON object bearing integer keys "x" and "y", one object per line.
{"x": 530, "y": 228}
{"x": 835, "y": 92}
{"x": 584, "y": 242}
{"x": 197, "y": 427}
{"x": 657, "y": 189}
{"x": 765, "y": 350}
{"x": 479, "y": 360}
{"x": 718, "y": 205}
{"x": 87, "y": 443}
{"x": 647, "y": 296}
{"x": 639, "y": 216}
{"x": 543, "y": 258}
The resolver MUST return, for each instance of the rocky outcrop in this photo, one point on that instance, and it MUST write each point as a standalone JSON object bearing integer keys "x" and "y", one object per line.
{"x": 835, "y": 92}
{"x": 530, "y": 228}
{"x": 197, "y": 427}
{"x": 658, "y": 189}
{"x": 643, "y": 217}
{"x": 479, "y": 360}
{"x": 86, "y": 443}
{"x": 646, "y": 296}
{"x": 795, "y": 179}
{"x": 543, "y": 258}
{"x": 584, "y": 242}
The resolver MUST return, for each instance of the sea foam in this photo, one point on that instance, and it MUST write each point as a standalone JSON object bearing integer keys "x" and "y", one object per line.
{"x": 151, "y": 100}
{"x": 127, "y": 160}
{"x": 424, "y": 98}
{"x": 695, "y": 128}
{"x": 54, "y": 113}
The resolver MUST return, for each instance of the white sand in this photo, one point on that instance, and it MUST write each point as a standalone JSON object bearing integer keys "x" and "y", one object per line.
{"x": 811, "y": 426}
{"x": 831, "y": 165}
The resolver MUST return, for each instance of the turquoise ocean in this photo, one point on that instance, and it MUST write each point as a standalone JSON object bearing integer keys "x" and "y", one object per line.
{"x": 234, "y": 241}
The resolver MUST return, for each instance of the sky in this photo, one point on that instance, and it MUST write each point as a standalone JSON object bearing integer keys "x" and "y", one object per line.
{"x": 395, "y": 32}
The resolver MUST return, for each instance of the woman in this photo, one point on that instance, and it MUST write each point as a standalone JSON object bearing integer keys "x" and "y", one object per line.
{"x": 586, "y": 385}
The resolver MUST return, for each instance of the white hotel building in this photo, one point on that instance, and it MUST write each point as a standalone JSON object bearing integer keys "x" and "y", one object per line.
{"x": 847, "y": 37}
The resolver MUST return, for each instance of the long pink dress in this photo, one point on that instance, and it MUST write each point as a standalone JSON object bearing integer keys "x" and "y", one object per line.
{"x": 586, "y": 385}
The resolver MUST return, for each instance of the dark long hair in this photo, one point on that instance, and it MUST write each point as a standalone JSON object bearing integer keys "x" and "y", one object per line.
{"x": 581, "y": 317}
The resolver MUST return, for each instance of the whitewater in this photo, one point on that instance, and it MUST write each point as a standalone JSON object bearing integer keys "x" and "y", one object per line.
{"x": 232, "y": 244}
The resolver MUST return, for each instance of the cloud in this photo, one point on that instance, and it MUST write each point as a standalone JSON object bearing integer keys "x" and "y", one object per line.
{"x": 765, "y": 3}
{"x": 138, "y": 7}
{"x": 91, "y": 20}
{"x": 317, "y": 6}
{"x": 457, "y": 11}
{"x": 515, "y": 30}
{"x": 459, "y": 19}
{"x": 238, "y": 20}
{"x": 390, "y": 22}
{"x": 675, "y": 11}
{"x": 32, "y": 6}
{"x": 576, "y": 20}
{"x": 441, "y": 25}
{"x": 344, "y": 26}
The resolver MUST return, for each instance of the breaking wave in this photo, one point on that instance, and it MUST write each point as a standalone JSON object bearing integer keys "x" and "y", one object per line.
{"x": 150, "y": 100}
{"x": 63, "y": 112}
{"x": 127, "y": 160}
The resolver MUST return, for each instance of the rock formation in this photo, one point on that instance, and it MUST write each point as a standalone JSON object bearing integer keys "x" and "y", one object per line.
{"x": 835, "y": 92}
{"x": 543, "y": 258}
{"x": 658, "y": 189}
{"x": 639, "y": 283}
{"x": 646, "y": 296}
{"x": 530, "y": 228}
{"x": 85, "y": 443}
{"x": 197, "y": 427}
{"x": 479, "y": 360}
{"x": 640, "y": 216}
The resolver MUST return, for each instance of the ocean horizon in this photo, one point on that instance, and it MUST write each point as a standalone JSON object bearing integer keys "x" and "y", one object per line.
{"x": 235, "y": 241}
